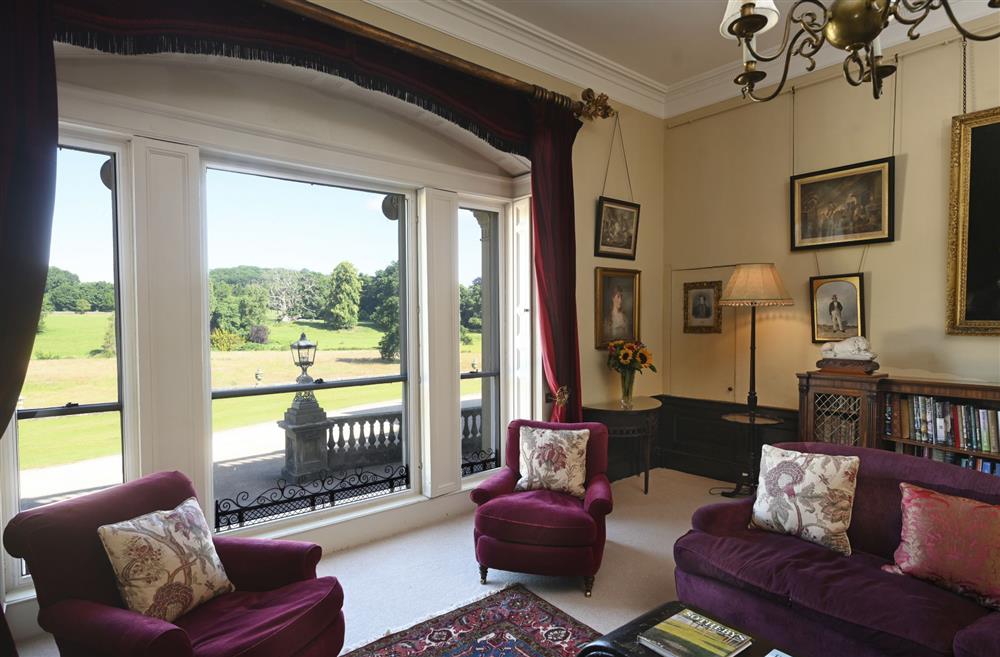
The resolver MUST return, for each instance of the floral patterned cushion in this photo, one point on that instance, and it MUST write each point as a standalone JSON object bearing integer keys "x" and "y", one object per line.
{"x": 553, "y": 459}
{"x": 951, "y": 541}
{"x": 165, "y": 562}
{"x": 806, "y": 495}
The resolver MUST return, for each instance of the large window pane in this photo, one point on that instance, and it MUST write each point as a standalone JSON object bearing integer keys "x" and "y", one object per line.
{"x": 69, "y": 436}
{"x": 479, "y": 330}
{"x": 287, "y": 259}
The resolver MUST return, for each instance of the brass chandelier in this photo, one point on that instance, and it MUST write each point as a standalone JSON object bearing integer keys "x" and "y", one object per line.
{"x": 851, "y": 25}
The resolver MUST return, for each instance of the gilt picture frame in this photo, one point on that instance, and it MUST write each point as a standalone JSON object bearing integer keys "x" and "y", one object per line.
{"x": 838, "y": 307}
{"x": 617, "y": 228}
{"x": 973, "y": 231}
{"x": 702, "y": 312}
{"x": 617, "y": 300}
{"x": 844, "y": 206}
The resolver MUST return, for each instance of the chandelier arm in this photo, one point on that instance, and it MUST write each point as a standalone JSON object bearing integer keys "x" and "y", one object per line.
{"x": 964, "y": 32}
{"x": 748, "y": 90}
{"x": 807, "y": 20}
{"x": 920, "y": 8}
{"x": 854, "y": 58}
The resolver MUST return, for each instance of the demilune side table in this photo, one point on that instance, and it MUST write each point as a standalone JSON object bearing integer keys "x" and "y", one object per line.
{"x": 622, "y": 642}
{"x": 638, "y": 423}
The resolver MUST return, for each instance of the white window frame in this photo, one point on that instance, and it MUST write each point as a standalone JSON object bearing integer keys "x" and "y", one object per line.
{"x": 413, "y": 410}
{"x": 17, "y": 585}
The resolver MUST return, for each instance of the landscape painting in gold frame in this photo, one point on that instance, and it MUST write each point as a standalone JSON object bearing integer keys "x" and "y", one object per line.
{"x": 974, "y": 228}
{"x": 844, "y": 206}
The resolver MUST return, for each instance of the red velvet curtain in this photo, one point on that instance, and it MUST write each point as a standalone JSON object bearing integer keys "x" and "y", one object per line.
{"x": 553, "y": 224}
{"x": 29, "y": 135}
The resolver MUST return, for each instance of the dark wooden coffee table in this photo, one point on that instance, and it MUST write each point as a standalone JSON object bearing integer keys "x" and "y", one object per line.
{"x": 622, "y": 642}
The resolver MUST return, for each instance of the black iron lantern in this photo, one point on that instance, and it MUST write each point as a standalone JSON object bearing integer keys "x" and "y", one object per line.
{"x": 303, "y": 355}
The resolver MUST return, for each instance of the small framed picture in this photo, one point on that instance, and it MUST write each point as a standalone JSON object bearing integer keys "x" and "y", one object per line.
{"x": 838, "y": 306}
{"x": 617, "y": 228}
{"x": 616, "y": 305}
{"x": 702, "y": 313}
{"x": 844, "y": 206}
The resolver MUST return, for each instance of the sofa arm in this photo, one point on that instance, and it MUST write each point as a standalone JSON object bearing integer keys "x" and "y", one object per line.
{"x": 724, "y": 518}
{"x": 113, "y": 631}
{"x": 260, "y": 564}
{"x": 979, "y": 639}
{"x": 502, "y": 483}
{"x": 598, "y": 500}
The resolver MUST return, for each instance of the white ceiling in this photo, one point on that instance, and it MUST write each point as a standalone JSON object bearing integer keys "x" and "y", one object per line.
{"x": 664, "y": 57}
{"x": 667, "y": 40}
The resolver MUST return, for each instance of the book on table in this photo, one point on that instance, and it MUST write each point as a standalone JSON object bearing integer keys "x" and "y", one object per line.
{"x": 689, "y": 634}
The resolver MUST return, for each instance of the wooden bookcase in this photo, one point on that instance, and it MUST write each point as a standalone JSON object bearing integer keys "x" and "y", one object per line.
{"x": 866, "y": 410}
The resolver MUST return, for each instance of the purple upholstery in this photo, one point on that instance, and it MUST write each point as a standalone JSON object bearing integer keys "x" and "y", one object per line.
{"x": 279, "y": 608}
{"x": 814, "y": 602}
{"x": 544, "y": 532}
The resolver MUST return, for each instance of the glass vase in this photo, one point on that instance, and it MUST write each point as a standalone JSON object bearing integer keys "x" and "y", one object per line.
{"x": 628, "y": 381}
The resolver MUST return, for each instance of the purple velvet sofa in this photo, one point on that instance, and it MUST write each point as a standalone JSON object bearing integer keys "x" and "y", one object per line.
{"x": 812, "y": 601}
{"x": 279, "y": 609}
{"x": 540, "y": 531}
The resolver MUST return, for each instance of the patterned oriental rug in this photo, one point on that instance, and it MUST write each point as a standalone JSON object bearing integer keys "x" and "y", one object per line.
{"x": 511, "y": 623}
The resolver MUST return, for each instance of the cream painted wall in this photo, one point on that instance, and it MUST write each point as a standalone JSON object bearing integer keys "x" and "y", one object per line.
{"x": 644, "y": 144}
{"x": 727, "y": 193}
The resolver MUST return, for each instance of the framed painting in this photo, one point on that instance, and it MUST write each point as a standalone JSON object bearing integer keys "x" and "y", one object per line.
{"x": 974, "y": 232}
{"x": 702, "y": 313}
{"x": 838, "y": 306}
{"x": 844, "y": 206}
{"x": 616, "y": 305}
{"x": 617, "y": 231}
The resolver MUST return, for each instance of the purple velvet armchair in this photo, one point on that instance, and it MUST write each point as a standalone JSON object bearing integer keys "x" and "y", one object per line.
{"x": 279, "y": 608}
{"x": 542, "y": 532}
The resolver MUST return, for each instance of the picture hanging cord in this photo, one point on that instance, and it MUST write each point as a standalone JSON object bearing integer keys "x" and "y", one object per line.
{"x": 965, "y": 75}
{"x": 617, "y": 131}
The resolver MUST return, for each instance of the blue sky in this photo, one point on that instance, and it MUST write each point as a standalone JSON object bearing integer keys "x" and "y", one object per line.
{"x": 252, "y": 220}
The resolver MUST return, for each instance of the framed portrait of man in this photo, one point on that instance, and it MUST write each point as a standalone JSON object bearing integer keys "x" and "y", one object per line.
{"x": 844, "y": 206}
{"x": 617, "y": 232}
{"x": 838, "y": 307}
{"x": 702, "y": 313}
{"x": 616, "y": 305}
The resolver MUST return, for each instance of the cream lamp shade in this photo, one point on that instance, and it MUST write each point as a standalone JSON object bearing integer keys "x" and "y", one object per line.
{"x": 765, "y": 8}
{"x": 755, "y": 284}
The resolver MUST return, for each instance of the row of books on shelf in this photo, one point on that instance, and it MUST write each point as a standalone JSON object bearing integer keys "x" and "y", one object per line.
{"x": 989, "y": 466}
{"x": 942, "y": 422}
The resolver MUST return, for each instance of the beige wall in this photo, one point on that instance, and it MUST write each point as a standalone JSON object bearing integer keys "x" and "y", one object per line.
{"x": 726, "y": 196}
{"x": 644, "y": 144}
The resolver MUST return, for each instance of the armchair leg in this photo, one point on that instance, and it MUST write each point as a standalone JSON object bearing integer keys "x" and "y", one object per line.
{"x": 482, "y": 573}
{"x": 588, "y": 586}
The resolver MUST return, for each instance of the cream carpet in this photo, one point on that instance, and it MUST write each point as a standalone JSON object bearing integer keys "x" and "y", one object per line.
{"x": 394, "y": 583}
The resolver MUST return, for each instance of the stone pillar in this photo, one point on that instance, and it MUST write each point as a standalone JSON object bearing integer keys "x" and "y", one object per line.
{"x": 305, "y": 426}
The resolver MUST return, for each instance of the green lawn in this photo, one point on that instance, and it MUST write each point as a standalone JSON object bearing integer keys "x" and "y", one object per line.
{"x": 70, "y": 335}
{"x": 75, "y": 376}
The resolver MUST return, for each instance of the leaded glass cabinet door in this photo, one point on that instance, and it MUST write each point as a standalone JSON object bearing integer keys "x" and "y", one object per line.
{"x": 838, "y": 408}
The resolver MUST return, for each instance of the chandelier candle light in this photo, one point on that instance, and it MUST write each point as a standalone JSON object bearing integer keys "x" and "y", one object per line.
{"x": 850, "y": 25}
{"x": 627, "y": 358}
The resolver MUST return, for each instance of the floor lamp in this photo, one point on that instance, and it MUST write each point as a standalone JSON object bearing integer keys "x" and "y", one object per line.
{"x": 756, "y": 285}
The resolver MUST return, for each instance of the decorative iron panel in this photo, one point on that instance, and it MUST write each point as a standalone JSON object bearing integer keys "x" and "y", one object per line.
{"x": 837, "y": 418}
{"x": 286, "y": 500}
{"x": 479, "y": 461}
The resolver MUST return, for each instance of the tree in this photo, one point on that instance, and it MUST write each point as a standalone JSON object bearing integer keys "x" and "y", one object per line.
{"x": 82, "y": 306}
{"x": 46, "y": 309}
{"x": 383, "y": 297}
{"x": 236, "y": 311}
{"x": 345, "y": 296}
{"x": 253, "y": 307}
{"x": 282, "y": 290}
{"x": 100, "y": 294}
{"x": 470, "y": 304}
{"x": 63, "y": 288}
{"x": 109, "y": 346}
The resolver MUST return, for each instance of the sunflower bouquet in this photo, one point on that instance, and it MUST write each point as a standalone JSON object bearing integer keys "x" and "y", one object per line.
{"x": 627, "y": 358}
